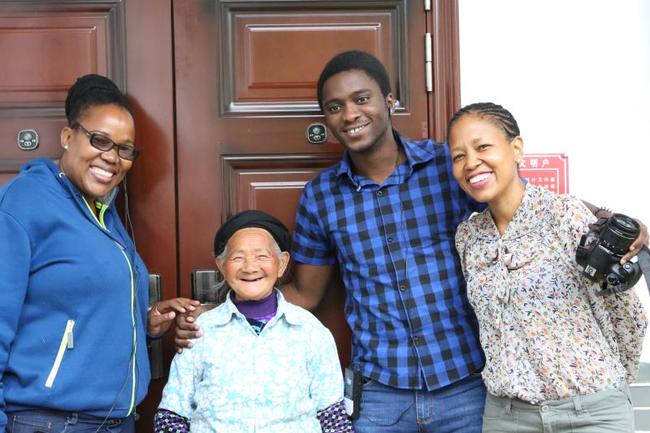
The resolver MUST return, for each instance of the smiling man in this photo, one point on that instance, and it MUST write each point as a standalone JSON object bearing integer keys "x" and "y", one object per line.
{"x": 386, "y": 217}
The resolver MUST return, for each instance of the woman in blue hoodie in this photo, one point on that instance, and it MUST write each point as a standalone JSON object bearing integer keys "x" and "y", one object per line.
{"x": 73, "y": 290}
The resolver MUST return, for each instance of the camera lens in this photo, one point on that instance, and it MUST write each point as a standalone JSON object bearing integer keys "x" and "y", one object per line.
{"x": 625, "y": 224}
{"x": 619, "y": 233}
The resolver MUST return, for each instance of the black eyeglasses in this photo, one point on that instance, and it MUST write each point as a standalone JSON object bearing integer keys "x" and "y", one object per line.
{"x": 101, "y": 142}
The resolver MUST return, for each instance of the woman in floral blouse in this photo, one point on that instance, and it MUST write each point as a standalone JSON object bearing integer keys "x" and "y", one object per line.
{"x": 559, "y": 356}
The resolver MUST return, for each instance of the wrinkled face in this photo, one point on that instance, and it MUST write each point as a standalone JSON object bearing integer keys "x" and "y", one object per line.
{"x": 484, "y": 160}
{"x": 356, "y": 111}
{"x": 252, "y": 264}
{"x": 93, "y": 171}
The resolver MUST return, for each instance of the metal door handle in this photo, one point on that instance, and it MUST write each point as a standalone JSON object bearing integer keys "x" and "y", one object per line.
{"x": 206, "y": 286}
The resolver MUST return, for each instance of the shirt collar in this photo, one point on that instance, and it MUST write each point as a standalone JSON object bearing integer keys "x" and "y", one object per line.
{"x": 528, "y": 216}
{"x": 228, "y": 311}
{"x": 417, "y": 152}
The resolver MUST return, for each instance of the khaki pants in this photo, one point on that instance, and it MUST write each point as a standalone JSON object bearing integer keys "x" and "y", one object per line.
{"x": 606, "y": 411}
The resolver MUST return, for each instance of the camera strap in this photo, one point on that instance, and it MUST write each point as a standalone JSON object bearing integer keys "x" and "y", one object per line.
{"x": 644, "y": 263}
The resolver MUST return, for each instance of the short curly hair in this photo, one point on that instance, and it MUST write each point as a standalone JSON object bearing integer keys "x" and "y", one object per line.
{"x": 349, "y": 60}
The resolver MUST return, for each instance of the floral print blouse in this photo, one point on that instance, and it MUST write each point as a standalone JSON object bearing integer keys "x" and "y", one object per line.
{"x": 546, "y": 333}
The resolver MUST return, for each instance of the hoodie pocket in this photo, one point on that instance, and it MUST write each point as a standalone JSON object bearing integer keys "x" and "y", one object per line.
{"x": 67, "y": 342}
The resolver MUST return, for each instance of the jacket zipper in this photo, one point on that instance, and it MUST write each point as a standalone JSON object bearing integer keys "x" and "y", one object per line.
{"x": 100, "y": 220}
{"x": 67, "y": 342}
{"x": 134, "y": 335}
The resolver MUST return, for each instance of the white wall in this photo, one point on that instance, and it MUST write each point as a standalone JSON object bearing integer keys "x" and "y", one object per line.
{"x": 576, "y": 76}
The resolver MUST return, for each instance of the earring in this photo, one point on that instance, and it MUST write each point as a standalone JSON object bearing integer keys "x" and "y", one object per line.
{"x": 65, "y": 147}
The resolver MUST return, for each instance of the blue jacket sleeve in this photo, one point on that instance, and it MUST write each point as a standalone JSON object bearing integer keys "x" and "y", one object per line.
{"x": 15, "y": 259}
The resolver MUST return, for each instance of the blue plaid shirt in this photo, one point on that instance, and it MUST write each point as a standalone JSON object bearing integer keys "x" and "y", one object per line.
{"x": 394, "y": 244}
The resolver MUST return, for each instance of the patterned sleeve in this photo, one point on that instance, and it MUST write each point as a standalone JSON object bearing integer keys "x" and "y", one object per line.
{"x": 166, "y": 421}
{"x": 334, "y": 419}
{"x": 629, "y": 325}
{"x": 310, "y": 244}
{"x": 621, "y": 316}
{"x": 573, "y": 219}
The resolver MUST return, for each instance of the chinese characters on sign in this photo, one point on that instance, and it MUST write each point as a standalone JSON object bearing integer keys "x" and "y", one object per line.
{"x": 549, "y": 170}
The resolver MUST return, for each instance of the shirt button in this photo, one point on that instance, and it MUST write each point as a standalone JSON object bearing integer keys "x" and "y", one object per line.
{"x": 417, "y": 339}
{"x": 545, "y": 408}
{"x": 380, "y": 193}
{"x": 402, "y": 287}
{"x": 390, "y": 239}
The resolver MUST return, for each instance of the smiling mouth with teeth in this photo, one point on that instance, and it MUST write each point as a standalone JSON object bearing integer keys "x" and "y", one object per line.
{"x": 478, "y": 178}
{"x": 356, "y": 130}
{"x": 103, "y": 172}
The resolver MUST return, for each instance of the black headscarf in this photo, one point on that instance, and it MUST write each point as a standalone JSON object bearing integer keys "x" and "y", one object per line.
{"x": 252, "y": 218}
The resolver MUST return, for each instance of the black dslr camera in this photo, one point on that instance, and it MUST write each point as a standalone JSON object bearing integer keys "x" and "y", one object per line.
{"x": 601, "y": 249}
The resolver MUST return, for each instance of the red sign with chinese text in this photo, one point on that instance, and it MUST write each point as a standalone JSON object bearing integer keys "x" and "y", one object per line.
{"x": 550, "y": 170}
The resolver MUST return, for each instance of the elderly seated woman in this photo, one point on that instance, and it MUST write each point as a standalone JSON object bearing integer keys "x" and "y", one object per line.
{"x": 263, "y": 364}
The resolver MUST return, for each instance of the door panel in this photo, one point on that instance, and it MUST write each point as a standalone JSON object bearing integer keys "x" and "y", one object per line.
{"x": 275, "y": 57}
{"x": 270, "y": 182}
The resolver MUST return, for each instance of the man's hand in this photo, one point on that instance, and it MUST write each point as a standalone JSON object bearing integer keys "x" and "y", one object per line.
{"x": 162, "y": 314}
{"x": 187, "y": 329}
{"x": 638, "y": 243}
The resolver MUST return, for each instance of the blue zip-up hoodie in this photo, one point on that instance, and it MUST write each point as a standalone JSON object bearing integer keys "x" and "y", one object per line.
{"x": 73, "y": 301}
